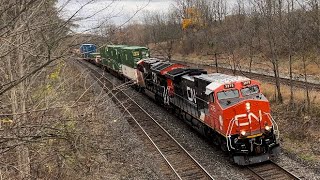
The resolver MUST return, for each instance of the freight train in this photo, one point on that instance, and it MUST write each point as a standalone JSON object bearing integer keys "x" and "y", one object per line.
{"x": 229, "y": 110}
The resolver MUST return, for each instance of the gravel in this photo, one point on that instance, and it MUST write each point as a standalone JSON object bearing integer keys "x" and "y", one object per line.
{"x": 212, "y": 159}
{"x": 296, "y": 168}
{"x": 126, "y": 155}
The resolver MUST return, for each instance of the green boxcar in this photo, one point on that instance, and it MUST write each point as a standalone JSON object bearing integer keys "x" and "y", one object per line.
{"x": 103, "y": 52}
{"x": 104, "y": 56}
{"x": 132, "y": 54}
{"x": 111, "y": 56}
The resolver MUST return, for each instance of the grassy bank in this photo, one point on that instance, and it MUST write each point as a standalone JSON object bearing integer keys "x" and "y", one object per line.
{"x": 299, "y": 125}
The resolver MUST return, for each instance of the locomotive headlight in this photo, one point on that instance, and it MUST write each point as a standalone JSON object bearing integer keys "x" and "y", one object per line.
{"x": 243, "y": 133}
{"x": 268, "y": 128}
{"x": 248, "y": 106}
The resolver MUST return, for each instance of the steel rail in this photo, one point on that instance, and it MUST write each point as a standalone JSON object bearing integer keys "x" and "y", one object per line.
{"x": 271, "y": 170}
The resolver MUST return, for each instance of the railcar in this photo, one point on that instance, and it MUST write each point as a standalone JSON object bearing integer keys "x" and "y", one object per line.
{"x": 230, "y": 110}
{"x": 121, "y": 60}
{"x": 111, "y": 60}
{"x": 86, "y": 50}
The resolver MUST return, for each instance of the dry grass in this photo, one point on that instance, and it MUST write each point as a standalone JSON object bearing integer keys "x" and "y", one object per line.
{"x": 304, "y": 152}
{"x": 260, "y": 63}
{"x": 299, "y": 94}
{"x": 299, "y": 127}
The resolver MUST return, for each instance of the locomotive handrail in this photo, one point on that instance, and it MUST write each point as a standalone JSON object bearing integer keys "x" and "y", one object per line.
{"x": 233, "y": 120}
{"x": 275, "y": 125}
{"x": 228, "y": 137}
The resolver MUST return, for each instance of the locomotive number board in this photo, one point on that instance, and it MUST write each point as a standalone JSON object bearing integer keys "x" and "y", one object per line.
{"x": 228, "y": 86}
{"x": 245, "y": 83}
{"x": 135, "y": 53}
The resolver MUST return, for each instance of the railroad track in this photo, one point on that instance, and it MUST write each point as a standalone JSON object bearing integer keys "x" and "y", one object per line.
{"x": 270, "y": 79}
{"x": 269, "y": 171}
{"x": 181, "y": 163}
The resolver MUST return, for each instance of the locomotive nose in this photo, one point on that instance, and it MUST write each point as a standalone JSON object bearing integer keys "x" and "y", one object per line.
{"x": 248, "y": 118}
{"x": 245, "y": 107}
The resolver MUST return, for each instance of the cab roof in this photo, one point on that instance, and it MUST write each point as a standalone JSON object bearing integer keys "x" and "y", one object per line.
{"x": 149, "y": 60}
{"x": 221, "y": 78}
{"x": 134, "y": 47}
{"x": 87, "y": 44}
{"x": 116, "y": 46}
{"x": 179, "y": 72}
{"x": 217, "y": 79}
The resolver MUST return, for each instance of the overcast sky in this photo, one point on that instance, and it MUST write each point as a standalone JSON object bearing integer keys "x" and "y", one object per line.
{"x": 118, "y": 11}
{"x": 113, "y": 11}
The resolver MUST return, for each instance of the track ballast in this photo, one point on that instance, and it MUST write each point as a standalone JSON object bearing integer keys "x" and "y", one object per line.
{"x": 269, "y": 171}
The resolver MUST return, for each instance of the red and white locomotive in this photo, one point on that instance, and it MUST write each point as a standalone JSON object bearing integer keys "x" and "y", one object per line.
{"x": 230, "y": 110}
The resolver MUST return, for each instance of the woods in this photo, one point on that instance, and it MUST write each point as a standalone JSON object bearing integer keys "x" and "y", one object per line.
{"x": 40, "y": 120}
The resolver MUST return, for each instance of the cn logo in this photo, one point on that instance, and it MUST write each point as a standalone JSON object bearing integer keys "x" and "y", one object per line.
{"x": 191, "y": 93}
{"x": 166, "y": 98}
{"x": 154, "y": 78}
{"x": 250, "y": 116}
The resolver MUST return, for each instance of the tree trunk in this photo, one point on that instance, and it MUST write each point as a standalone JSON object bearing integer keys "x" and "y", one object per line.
{"x": 280, "y": 99}
{"x": 22, "y": 150}
{"x": 216, "y": 61}
{"x": 289, "y": 39}
{"x": 251, "y": 59}
{"x": 308, "y": 103}
{"x": 234, "y": 65}
{"x": 290, "y": 74}
{"x": 273, "y": 46}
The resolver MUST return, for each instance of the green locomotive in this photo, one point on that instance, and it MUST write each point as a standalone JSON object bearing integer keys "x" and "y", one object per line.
{"x": 123, "y": 59}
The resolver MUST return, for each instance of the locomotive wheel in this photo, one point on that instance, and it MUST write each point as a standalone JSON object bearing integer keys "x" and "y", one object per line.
{"x": 223, "y": 144}
{"x": 177, "y": 112}
{"x": 140, "y": 89}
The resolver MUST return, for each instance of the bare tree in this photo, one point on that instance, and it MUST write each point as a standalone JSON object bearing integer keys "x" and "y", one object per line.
{"x": 164, "y": 31}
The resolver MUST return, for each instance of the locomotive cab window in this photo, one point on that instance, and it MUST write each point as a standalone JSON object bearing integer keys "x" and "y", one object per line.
{"x": 135, "y": 53}
{"x": 211, "y": 97}
{"x": 250, "y": 90}
{"x": 228, "y": 97}
{"x": 229, "y": 94}
{"x": 189, "y": 93}
{"x": 145, "y": 54}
